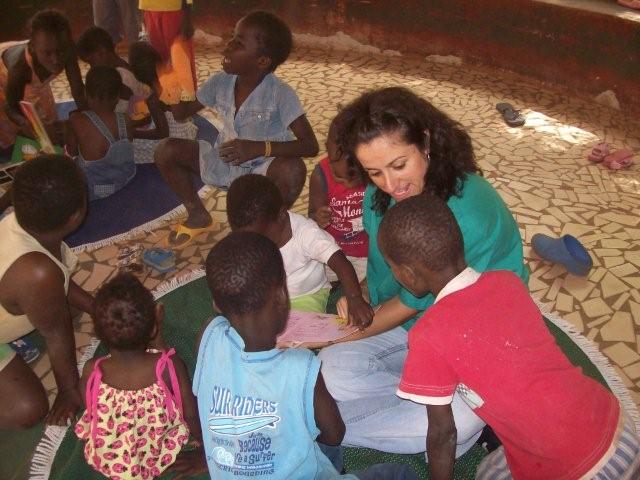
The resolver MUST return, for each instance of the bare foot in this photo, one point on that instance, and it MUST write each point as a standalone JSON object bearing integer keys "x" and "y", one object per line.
{"x": 65, "y": 407}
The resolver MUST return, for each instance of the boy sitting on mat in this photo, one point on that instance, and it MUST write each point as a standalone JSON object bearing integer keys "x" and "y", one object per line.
{"x": 262, "y": 410}
{"x": 265, "y": 129}
{"x": 254, "y": 204}
{"x": 484, "y": 338}
{"x": 36, "y": 290}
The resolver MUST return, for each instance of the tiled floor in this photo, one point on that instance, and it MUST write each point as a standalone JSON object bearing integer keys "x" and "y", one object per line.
{"x": 540, "y": 170}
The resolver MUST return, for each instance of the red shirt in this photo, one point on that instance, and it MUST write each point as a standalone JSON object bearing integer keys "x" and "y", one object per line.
{"x": 487, "y": 340}
{"x": 346, "y": 214}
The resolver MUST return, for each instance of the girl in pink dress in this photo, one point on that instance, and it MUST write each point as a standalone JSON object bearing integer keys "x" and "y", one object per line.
{"x": 140, "y": 408}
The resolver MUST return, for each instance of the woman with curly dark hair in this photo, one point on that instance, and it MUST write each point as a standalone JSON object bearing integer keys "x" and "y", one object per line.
{"x": 407, "y": 147}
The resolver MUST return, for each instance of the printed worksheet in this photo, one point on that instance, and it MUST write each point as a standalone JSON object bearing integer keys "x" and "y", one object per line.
{"x": 311, "y": 327}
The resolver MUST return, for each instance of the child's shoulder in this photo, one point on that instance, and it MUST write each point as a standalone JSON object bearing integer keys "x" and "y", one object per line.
{"x": 283, "y": 90}
{"x": 301, "y": 223}
{"x": 302, "y": 358}
{"x": 216, "y": 327}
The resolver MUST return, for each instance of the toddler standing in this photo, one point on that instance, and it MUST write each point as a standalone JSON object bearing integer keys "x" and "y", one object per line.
{"x": 139, "y": 406}
{"x": 336, "y": 192}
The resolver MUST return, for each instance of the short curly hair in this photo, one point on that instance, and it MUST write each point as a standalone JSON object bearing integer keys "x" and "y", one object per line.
{"x": 253, "y": 198}
{"x": 275, "y": 37}
{"x": 125, "y": 313}
{"x": 143, "y": 59}
{"x": 50, "y": 21}
{"x": 103, "y": 83}
{"x": 421, "y": 230}
{"x": 47, "y": 191}
{"x": 93, "y": 39}
{"x": 243, "y": 269}
{"x": 398, "y": 110}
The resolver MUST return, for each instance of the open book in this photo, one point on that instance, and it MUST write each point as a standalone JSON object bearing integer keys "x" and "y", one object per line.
{"x": 311, "y": 327}
{"x": 29, "y": 111}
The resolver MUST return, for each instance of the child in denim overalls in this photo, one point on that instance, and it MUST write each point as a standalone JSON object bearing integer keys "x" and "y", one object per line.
{"x": 100, "y": 139}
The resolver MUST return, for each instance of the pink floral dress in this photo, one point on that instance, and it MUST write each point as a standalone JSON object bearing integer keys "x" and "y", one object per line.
{"x": 133, "y": 434}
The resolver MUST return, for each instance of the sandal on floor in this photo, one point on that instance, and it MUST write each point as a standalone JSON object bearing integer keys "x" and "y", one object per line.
{"x": 619, "y": 159}
{"x": 190, "y": 233}
{"x": 512, "y": 116}
{"x": 600, "y": 151}
{"x": 162, "y": 260}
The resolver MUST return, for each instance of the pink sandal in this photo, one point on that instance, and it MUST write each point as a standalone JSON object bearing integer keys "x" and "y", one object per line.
{"x": 600, "y": 151}
{"x": 619, "y": 159}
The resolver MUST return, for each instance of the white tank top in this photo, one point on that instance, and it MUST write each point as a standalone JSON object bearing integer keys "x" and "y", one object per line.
{"x": 14, "y": 243}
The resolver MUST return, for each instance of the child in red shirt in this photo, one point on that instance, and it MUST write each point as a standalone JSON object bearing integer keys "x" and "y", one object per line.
{"x": 336, "y": 191}
{"x": 484, "y": 340}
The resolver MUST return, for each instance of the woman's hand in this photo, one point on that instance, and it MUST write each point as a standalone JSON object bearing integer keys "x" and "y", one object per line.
{"x": 342, "y": 307}
{"x": 238, "y": 151}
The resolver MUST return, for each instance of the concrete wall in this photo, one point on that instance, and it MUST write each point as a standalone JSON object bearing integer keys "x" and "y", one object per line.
{"x": 584, "y": 50}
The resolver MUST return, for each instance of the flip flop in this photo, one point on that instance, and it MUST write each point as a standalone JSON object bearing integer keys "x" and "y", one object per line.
{"x": 510, "y": 115}
{"x": 619, "y": 159}
{"x": 162, "y": 260}
{"x": 598, "y": 153}
{"x": 190, "y": 233}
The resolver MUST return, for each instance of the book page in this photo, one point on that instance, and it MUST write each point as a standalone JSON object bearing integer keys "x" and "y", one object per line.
{"x": 311, "y": 327}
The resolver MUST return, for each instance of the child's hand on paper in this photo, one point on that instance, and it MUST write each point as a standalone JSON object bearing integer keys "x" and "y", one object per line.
{"x": 359, "y": 312}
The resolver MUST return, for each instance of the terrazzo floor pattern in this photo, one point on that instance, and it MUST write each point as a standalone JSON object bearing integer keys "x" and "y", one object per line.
{"x": 540, "y": 170}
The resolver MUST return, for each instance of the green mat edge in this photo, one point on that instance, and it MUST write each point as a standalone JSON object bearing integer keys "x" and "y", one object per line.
{"x": 602, "y": 371}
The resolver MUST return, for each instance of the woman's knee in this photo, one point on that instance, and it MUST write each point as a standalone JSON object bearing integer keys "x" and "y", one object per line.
{"x": 24, "y": 403}
{"x": 28, "y": 412}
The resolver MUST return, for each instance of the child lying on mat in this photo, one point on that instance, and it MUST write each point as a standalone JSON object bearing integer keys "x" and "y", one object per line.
{"x": 264, "y": 410}
{"x": 100, "y": 138}
{"x": 140, "y": 409}
{"x": 255, "y": 204}
{"x": 484, "y": 338}
{"x": 265, "y": 128}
